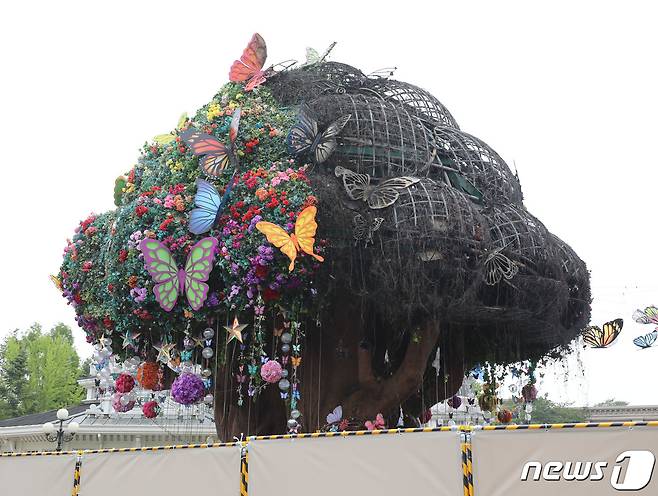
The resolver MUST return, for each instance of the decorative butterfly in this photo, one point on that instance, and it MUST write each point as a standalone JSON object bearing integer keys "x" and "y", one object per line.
{"x": 313, "y": 57}
{"x": 240, "y": 378}
{"x": 498, "y": 266}
{"x": 646, "y": 341}
{"x": 209, "y": 205}
{"x": 304, "y": 137}
{"x": 303, "y": 238}
{"x": 56, "y": 281}
{"x": 250, "y": 66}
{"x": 364, "y": 229}
{"x": 597, "y": 338}
{"x": 297, "y": 348}
{"x": 216, "y": 156}
{"x": 381, "y": 195}
{"x": 335, "y": 416}
{"x": 647, "y": 316}
{"x": 165, "y": 139}
{"x": 378, "y": 423}
{"x": 170, "y": 280}
{"x": 296, "y": 361}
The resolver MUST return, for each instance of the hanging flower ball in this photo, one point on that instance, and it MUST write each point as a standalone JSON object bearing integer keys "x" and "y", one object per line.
{"x": 271, "y": 371}
{"x": 122, "y": 402}
{"x": 151, "y": 409}
{"x": 147, "y": 375}
{"x": 488, "y": 400}
{"x": 455, "y": 402}
{"x": 187, "y": 389}
{"x": 504, "y": 416}
{"x": 124, "y": 383}
{"x": 529, "y": 392}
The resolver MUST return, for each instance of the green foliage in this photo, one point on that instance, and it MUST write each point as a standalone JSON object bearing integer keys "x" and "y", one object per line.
{"x": 546, "y": 411}
{"x": 38, "y": 371}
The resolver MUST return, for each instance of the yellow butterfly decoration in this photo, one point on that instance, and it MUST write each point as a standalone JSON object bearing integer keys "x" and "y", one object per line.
{"x": 302, "y": 239}
{"x": 165, "y": 139}
{"x": 56, "y": 281}
{"x": 596, "y": 337}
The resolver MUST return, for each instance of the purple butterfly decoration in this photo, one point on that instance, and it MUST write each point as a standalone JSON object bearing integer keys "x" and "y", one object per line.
{"x": 335, "y": 416}
{"x": 170, "y": 281}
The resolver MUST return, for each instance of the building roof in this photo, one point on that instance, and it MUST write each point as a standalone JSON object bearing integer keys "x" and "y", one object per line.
{"x": 41, "y": 418}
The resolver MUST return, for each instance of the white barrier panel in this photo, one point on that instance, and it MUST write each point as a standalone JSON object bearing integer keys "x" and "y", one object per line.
{"x": 50, "y": 475}
{"x": 597, "y": 461}
{"x": 171, "y": 471}
{"x": 385, "y": 465}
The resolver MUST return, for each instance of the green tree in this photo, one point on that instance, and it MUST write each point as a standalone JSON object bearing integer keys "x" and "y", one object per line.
{"x": 38, "y": 371}
{"x": 13, "y": 374}
{"x": 546, "y": 411}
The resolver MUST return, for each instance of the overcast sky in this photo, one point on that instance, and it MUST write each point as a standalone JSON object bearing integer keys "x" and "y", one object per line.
{"x": 568, "y": 92}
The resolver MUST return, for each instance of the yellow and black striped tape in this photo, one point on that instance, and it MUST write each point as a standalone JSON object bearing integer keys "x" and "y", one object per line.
{"x": 467, "y": 469}
{"x": 119, "y": 450}
{"x": 353, "y": 433}
{"x": 581, "y": 425}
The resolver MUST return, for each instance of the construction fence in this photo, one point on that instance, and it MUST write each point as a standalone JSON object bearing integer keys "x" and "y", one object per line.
{"x": 542, "y": 459}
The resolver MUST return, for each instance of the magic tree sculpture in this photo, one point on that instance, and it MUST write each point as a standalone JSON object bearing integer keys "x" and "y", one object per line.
{"x": 346, "y": 229}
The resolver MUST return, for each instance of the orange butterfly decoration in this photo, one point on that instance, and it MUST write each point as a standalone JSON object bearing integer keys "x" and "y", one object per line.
{"x": 250, "y": 65}
{"x": 302, "y": 240}
{"x": 296, "y": 361}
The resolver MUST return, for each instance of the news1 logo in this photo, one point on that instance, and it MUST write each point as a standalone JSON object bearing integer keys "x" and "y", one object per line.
{"x": 638, "y": 473}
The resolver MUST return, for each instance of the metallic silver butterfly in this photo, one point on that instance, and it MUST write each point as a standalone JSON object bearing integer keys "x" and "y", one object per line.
{"x": 498, "y": 266}
{"x": 381, "y": 195}
{"x": 364, "y": 229}
{"x": 304, "y": 137}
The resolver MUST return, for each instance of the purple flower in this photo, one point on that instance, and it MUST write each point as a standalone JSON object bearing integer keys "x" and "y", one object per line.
{"x": 187, "y": 389}
{"x": 138, "y": 294}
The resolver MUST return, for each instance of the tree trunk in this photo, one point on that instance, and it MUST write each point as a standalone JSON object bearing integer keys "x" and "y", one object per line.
{"x": 344, "y": 364}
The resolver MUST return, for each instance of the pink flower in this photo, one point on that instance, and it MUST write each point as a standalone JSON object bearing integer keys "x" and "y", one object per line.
{"x": 271, "y": 371}
{"x": 86, "y": 267}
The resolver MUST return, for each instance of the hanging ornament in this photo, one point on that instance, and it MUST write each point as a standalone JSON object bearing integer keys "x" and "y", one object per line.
{"x": 124, "y": 383}
{"x": 504, "y": 416}
{"x": 436, "y": 363}
{"x": 151, "y": 409}
{"x": 122, "y": 402}
{"x": 455, "y": 402}
{"x": 271, "y": 371}
{"x": 529, "y": 392}
{"x": 187, "y": 389}
{"x": 400, "y": 418}
{"x": 235, "y": 330}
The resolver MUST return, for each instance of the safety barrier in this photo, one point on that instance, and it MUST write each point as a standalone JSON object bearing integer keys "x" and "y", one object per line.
{"x": 538, "y": 459}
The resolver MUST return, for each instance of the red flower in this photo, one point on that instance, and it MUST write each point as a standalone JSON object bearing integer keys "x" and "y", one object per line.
{"x": 261, "y": 271}
{"x": 165, "y": 223}
{"x": 141, "y": 210}
{"x": 107, "y": 322}
{"x": 86, "y": 267}
{"x": 110, "y": 287}
{"x": 123, "y": 255}
{"x": 270, "y": 294}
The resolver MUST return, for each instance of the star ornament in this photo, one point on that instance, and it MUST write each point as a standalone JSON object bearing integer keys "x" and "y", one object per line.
{"x": 164, "y": 352}
{"x": 234, "y": 331}
{"x": 130, "y": 338}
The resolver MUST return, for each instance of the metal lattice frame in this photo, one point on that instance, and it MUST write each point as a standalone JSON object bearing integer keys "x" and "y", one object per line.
{"x": 427, "y": 256}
